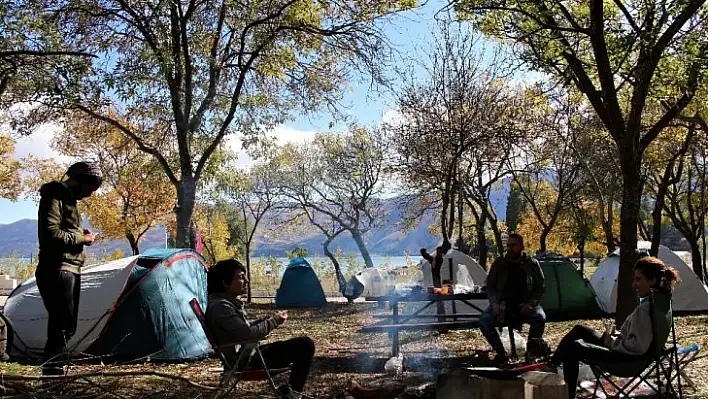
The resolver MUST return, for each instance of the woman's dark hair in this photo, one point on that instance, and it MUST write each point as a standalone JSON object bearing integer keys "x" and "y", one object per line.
{"x": 221, "y": 274}
{"x": 666, "y": 276}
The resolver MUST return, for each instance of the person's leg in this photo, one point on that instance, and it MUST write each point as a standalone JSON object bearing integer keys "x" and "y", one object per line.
{"x": 571, "y": 368}
{"x": 76, "y": 295}
{"x": 566, "y": 346}
{"x": 52, "y": 288}
{"x": 437, "y": 282}
{"x": 299, "y": 351}
{"x": 537, "y": 320}
{"x": 569, "y": 354}
{"x": 487, "y": 321}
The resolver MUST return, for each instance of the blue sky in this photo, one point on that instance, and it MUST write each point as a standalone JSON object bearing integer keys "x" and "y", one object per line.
{"x": 411, "y": 34}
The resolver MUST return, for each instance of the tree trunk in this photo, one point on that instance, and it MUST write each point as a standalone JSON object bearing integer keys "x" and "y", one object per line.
{"x": 656, "y": 214}
{"x": 609, "y": 231}
{"x": 581, "y": 249}
{"x": 544, "y": 237}
{"x": 497, "y": 233}
{"x": 337, "y": 269}
{"x": 248, "y": 271}
{"x": 482, "y": 239}
{"x": 643, "y": 230}
{"x": 443, "y": 213}
{"x": 359, "y": 240}
{"x": 460, "y": 214}
{"x": 697, "y": 258}
{"x": 451, "y": 220}
{"x": 133, "y": 243}
{"x": 186, "y": 194}
{"x": 629, "y": 220}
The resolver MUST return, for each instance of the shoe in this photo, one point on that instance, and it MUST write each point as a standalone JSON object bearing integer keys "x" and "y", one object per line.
{"x": 549, "y": 367}
{"x": 285, "y": 392}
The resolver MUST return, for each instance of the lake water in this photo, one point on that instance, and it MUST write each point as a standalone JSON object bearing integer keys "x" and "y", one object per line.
{"x": 346, "y": 262}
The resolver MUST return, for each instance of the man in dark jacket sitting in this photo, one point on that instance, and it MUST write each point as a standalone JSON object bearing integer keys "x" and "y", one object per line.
{"x": 228, "y": 322}
{"x": 515, "y": 287}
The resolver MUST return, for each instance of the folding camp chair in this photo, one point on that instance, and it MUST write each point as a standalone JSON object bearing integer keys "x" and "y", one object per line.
{"x": 687, "y": 355}
{"x": 660, "y": 362}
{"x": 239, "y": 370}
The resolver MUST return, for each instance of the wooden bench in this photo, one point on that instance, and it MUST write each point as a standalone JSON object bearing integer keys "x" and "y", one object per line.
{"x": 417, "y": 321}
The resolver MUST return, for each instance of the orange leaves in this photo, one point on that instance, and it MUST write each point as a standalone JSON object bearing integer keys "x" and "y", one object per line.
{"x": 10, "y": 186}
{"x": 135, "y": 195}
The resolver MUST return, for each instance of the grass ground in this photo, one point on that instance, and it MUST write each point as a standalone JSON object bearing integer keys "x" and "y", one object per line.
{"x": 344, "y": 354}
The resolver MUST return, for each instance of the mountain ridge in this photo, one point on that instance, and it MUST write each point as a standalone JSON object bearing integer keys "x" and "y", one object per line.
{"x": 389, "y": 239}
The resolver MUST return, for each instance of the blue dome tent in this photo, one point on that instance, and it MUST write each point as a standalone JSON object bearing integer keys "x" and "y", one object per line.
{"x": 130, "y": 308}
{"x": 300, "y": 287}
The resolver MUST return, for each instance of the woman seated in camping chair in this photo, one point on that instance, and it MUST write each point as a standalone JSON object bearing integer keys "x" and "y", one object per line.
{"x": 228, "y": 323}
{"x": 653, "y": 280}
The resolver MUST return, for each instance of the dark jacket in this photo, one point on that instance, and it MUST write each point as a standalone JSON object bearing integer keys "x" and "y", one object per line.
{"x": 228, "y": 322}
{"x": 61, "y": 237}
{"x": 535, "y": 282}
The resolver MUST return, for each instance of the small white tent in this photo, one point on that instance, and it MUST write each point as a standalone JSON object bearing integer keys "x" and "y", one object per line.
{"x": 100, "y": 286}
{"x": 691, "y": 295}
{"x": 458, "y": 258}
{"x": 479, "y": 276}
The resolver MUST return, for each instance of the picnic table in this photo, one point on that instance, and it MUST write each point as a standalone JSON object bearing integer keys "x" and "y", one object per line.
{"x": 417, "y": 321}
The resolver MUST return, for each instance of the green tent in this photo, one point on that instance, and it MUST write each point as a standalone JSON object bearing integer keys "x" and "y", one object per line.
{"x": 569, "y": 295}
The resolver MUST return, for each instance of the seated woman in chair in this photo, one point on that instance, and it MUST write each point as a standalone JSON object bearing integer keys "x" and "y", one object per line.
{"x": 636, "y": 337}
{"x": 229, "y": 325}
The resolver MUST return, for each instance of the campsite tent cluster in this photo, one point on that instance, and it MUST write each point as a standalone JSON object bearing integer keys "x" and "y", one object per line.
{"x": 569, "y": 295}
{"x": 138, "y": 307}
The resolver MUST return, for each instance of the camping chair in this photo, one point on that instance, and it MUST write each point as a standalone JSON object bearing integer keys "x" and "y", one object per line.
{"x": 239, "y": 370}
{"x": 687, "y": 355}
{"x": 660, "y": 362}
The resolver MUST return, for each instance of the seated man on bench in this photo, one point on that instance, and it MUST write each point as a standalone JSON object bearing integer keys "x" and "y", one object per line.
{"x": 515, "y": 288}
{"x": 228, "y": 322}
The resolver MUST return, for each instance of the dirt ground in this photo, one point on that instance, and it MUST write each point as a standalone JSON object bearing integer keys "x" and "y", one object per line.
{"x": 342, "y": 354}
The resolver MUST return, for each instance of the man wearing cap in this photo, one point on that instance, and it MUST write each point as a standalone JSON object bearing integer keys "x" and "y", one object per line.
{"x": 61, "y": 255}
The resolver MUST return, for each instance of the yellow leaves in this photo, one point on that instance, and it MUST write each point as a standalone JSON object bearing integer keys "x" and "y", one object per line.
{"x": 10, "y": 186}
{"x": 38, "y": 171}
{"x": 562, "y": 236}
{"x": 135, "y": 196}
{"x": 214, "y": 227}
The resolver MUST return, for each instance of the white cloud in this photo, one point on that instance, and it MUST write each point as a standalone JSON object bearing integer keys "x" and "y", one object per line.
{"x": 282, "y": 134}
{"x": 286, "y": 134}
{"x": 392, "y": 117}
{"x": 38, "y": 144}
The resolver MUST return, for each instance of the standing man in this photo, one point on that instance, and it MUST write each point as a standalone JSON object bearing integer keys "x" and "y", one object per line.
{"x": 61, "y": 256}
{"x": 515, "y": 288}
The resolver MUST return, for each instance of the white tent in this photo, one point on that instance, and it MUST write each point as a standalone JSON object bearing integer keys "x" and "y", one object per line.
{"x": 100, "y": 287}
{"x": 691, "y": 295}
{"x": 458, "y": 258}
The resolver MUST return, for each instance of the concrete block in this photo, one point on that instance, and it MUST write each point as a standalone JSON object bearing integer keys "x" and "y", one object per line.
{"x": 461, "y": 384}
{"x": 540, "y": 385}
